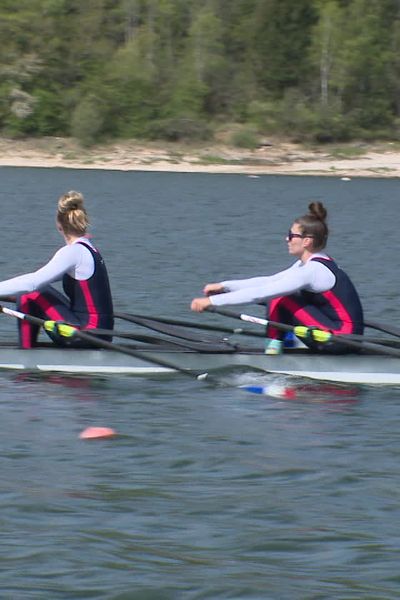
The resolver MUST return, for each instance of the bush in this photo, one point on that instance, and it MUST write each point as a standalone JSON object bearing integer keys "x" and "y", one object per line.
{"x": 179, "y": 129}
{"x": 265, "y": 115}
{"x": 87, "y": 120}
{"x": 245, "y": 137}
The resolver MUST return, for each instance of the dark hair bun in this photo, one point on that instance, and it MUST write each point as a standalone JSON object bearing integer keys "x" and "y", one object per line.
{"x": 318, "y": 210}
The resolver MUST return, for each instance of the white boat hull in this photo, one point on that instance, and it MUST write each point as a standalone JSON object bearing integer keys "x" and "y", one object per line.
{"x": 359, "y": 369}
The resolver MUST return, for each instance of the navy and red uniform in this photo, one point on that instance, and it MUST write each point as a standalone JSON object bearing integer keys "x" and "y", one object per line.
{"x": 88, "y": 305}
{"x": 314, "y": 293}
{"x": 91, "y": 300}
{"x": 338, "y": 310}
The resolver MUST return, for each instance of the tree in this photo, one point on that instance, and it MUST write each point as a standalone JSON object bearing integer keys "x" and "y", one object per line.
{"x": 280, "y": 42}
{"x": 366, "y": 58}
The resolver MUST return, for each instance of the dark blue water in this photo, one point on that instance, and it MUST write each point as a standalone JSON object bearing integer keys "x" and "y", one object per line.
{"x": 207, "y": 492}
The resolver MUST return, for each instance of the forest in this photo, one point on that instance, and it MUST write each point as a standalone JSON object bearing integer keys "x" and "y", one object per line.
{"x": 318, "y": 70}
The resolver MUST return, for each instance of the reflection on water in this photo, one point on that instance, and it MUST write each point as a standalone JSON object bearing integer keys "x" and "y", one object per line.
{"x": 321, "y": 392}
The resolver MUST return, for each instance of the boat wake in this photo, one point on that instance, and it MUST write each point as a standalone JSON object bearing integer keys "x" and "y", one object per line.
{"x": 285, "y": 387}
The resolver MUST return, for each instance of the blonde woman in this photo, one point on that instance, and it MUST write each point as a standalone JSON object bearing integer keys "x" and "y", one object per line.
{"x": 87, "y": 302}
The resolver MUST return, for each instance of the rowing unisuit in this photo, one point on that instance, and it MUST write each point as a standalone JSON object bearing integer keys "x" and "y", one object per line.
{"x": 313, "y": 293}
{"x": 88, "y": 300}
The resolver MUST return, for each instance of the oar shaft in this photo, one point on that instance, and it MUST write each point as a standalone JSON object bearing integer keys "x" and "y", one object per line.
{"x": 100, "y": 343}
{"x": 383, "y": 327}
{"x": 285, "y": 327}
{"x": 123, "y": 350}
{"x": 189, "y": 324}
{"x": 199, "y": 346}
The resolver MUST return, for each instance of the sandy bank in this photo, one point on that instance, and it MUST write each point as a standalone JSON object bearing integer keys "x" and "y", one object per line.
{"x": 274, "y": 157}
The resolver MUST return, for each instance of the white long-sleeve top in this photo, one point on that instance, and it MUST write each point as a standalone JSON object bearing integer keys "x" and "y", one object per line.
{"x": 74, "y": 259}
{"x": 312, "y": 276}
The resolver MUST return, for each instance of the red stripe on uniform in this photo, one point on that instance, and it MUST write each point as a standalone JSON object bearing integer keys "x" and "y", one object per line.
{"x": 342, "y": 313}
{"x": 308, "y": 319}
{"x": 93, "y": 321}
{"x": 48, "y": 309}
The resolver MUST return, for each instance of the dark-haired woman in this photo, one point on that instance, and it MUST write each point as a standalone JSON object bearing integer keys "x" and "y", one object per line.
{"x": 314, "y": 291}
{"x": 87, "y": 302}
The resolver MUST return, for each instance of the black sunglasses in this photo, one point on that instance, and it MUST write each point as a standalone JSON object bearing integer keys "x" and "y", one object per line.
{"x": 292, "y": 235}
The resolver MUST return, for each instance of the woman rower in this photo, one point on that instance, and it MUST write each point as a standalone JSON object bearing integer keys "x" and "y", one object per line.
{"x": 313, "y": 292}
{"x": 87, "y": 303}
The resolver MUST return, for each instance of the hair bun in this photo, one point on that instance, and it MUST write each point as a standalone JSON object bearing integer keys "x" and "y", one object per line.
{"x": 70, "y": 201}
{"x": 318, "y": 210}
{"x": 71, "y": 214}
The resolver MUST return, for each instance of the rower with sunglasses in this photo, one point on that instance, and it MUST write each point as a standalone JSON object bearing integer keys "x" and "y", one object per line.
{"x": 313, "y": 292}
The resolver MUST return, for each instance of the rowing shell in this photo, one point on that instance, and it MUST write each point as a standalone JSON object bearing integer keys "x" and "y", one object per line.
{"x": 350, "y": 368}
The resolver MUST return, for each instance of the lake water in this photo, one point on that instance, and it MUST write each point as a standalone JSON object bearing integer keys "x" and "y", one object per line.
{"x": 207, "y": 492}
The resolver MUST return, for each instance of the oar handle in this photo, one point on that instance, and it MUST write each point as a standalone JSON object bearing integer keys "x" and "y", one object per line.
{"x": 22, "y": 316}
{"x": 235, "y": 315}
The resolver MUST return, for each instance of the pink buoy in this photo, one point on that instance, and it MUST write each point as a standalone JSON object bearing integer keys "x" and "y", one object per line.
{"x": 93, "y": 433}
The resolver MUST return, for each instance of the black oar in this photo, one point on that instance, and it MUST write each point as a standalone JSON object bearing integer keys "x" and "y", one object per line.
{"x": 68, "y": 331}
{"x": 136, "y": 337}
{"x": 151, "y": 321}
{"x": 301, "y": 331}
{"x": 212, "y": 347}
{"x": 211, "y": 344}
{"x": 189, "y": 324}
{"x": 172, "y": 331}
{"x": 163, "y": 328}
{"x": 382, "y": 327}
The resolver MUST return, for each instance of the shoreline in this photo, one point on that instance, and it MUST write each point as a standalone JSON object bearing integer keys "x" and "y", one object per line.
{"x": 272, "y": 158}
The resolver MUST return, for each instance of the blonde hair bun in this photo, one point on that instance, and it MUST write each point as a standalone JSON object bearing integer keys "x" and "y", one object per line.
{"x": 71, "y": 213}
{"x": 70, "y": 201}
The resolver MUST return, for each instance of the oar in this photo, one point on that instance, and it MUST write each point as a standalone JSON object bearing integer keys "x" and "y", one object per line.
{"x": 209, "y": 345}
{"x": 69, "y": 331}
{"x": 301, "y": 331}
{"x": 382, "y": 327}
{"x": 190, "y": 324}
{"x": 199, "y": 346}
{"x": 140, "y": 319}
{"x": 136, "y": 337}
{"x": 174, "y": 331}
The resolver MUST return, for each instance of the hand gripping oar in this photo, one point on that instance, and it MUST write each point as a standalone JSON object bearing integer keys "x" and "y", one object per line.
{"x": 68, "y": 331}
{"x": 301, "y": 331}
